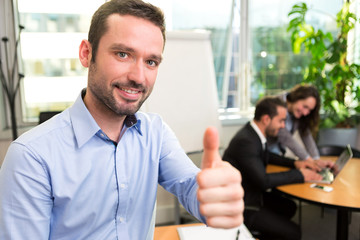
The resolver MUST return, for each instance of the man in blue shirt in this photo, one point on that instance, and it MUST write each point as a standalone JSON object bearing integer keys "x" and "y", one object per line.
{"x": 92, "y": 171}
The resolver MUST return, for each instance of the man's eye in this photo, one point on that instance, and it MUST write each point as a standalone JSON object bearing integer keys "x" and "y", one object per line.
{"x": 122, "y": 54}
{"x": 152, "y": 63}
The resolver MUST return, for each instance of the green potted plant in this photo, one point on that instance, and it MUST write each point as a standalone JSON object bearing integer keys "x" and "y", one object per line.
{"x": 329, "y": 68}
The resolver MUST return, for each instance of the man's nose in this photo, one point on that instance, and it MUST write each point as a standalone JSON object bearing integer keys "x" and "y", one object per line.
{"x": 137, "y": 72}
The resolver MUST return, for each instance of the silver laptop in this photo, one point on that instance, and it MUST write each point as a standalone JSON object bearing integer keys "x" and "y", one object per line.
{"x": 329, "y": 174}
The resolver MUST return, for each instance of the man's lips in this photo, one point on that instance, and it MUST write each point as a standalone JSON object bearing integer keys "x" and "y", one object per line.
{"x": 130, "y": 91}
{"x": 130, "y": 94}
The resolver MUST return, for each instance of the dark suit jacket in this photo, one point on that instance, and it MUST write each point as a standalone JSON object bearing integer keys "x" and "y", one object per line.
{"x": 245, "y": 152}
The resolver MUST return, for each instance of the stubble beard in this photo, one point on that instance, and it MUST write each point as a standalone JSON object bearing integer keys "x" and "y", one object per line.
{"x": 107, "y": 97}
{"x": 271, "y": 132}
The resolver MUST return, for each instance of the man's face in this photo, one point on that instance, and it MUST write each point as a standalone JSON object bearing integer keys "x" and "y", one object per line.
{"x": 126, "y": 64}
{"x": 276, "y": 123}
{"x": 302, "y": 107}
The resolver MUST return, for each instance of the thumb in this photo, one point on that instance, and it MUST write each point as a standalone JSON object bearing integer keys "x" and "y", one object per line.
{"x": 211, "y": 145}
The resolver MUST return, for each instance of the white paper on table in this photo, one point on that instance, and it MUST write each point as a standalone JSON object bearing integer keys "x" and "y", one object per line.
{"x": 209, "y": 233}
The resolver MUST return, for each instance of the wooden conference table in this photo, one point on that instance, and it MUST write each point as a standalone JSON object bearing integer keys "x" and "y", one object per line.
{"x": 345, "y": 197}
{"x": 170, "y": 232}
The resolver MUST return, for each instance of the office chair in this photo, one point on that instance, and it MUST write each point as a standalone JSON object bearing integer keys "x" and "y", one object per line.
{"x": 332, "y": 150}
{"x": 43, "y": 116}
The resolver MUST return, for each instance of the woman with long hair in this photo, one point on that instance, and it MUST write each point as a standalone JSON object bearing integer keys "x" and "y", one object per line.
{"x": 303, "y": 104}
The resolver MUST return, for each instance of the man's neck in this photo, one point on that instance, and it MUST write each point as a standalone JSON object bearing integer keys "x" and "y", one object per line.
{"x": 261, "y": 127}
{"x": 257, "y": 126}
{"x": 110, "y": 123}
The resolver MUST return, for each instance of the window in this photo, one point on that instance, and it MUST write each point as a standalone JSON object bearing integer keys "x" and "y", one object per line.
{"x": 262, "y": 61}
{"x": 251, "y": 48}
{"x": 274, "y": 66}
{"x": 53, "y": 31}
{"x": 49, "y": 46}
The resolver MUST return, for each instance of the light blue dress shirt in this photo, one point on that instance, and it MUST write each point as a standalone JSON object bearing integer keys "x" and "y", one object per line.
{"x": 65, "y": 179}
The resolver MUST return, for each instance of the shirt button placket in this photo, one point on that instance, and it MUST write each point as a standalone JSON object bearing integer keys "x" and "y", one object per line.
{"x": 122, "y": 188}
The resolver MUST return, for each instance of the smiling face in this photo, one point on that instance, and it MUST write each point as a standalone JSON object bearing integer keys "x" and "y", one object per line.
{"x": 276, "y": 123}
{"x": 126, "y": 65}
{"x": 302, "y": 107}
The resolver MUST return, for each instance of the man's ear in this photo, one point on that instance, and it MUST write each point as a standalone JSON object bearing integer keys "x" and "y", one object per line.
{"x": 266, "y": 119}
{"x": 85, "y": 51}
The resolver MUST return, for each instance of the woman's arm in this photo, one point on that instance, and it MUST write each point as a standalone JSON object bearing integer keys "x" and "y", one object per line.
{"x": 286, "y": 139}
{"x": 310, "y": 144}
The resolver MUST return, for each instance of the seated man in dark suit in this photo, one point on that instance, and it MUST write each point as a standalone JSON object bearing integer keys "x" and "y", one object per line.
{"x": 265, "y": 211}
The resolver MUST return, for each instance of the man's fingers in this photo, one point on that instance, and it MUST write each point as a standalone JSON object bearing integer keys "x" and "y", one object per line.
{"x": 223, "y": 215}
{"x": 209, "y": 178}
{"x": 230, "y": 192}
{"x": 211, "y": 155}
{"x": 222, "y": 209}
{"x": 225, "y": 222}
{"x": 310, "y": 175}
{"x": 220, "y": 193}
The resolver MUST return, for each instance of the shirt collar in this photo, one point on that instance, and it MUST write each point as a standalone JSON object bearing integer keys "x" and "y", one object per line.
{"x": 258, "y": 131}
{"x": 133, "y": 121}
{"x": 85, "y": 126}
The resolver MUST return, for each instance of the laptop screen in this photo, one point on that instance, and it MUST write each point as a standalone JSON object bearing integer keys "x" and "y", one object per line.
{"x": 342, "y": 160}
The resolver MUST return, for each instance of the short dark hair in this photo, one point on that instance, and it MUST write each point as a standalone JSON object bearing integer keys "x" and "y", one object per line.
{"x": 136, "y": 8}
{"x": 304, "y": 91}
{"x": 268, "y": 106}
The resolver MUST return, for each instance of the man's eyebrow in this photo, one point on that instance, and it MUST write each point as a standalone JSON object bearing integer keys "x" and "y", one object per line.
{"x": 122, "y": 47}
{"x": 157, "y": 58}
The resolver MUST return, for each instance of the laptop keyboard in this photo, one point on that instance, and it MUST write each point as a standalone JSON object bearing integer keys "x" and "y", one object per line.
{"x": 327, "y": 174}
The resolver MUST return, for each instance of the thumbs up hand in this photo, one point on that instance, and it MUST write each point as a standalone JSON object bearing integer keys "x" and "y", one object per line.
{"x": 220, "y": 193}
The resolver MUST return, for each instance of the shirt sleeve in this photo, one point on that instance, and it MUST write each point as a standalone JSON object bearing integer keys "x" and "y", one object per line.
{"x": 177, "y": 174}
{"x": 286, "y": 139}
{"x": 310, "y": 144}
{"x": 25, "y": 196}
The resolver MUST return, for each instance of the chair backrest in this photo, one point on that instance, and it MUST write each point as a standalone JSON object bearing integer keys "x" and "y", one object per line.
{"x": 331, "y": 150}
{"x": 47, "y": 115}
{"x": 356, "y": 153}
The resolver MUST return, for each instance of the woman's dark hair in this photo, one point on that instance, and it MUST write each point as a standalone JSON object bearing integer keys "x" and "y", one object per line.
{"x": 136, "y": 8}
{"x": 311, "y": 121}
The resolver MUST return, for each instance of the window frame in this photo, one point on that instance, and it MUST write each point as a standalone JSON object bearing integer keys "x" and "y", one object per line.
{"x": 244, "y": 112}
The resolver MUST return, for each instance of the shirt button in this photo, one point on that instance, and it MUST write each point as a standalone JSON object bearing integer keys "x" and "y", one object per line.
{"x": 122, "y": 186}
{"x": 122, "y": 219}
